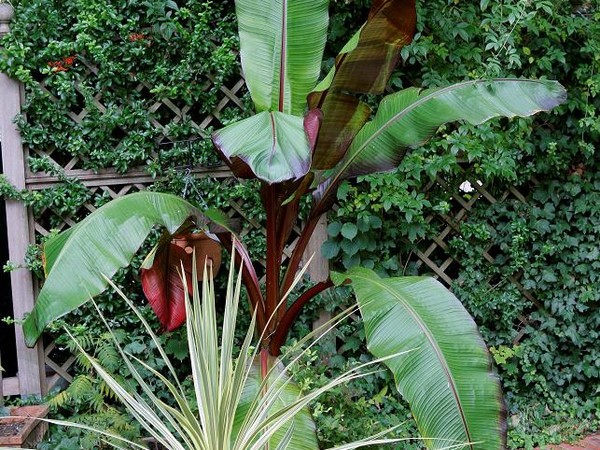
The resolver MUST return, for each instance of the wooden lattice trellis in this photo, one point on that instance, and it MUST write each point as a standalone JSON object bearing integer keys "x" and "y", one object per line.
{"x": 430, "y": 256}
{"x": 162, "y": 112}
{"x": 110, "y": 182}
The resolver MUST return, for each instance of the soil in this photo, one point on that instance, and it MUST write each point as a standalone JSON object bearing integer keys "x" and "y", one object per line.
{"x": 21, "y": 429}
{"x": 11, "y": 428}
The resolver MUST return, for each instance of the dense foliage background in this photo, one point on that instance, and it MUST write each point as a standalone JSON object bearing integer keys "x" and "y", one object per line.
{"x": 549, "y": 364}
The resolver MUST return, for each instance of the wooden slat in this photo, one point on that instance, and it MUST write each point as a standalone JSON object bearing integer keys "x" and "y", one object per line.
{"x": 10, "y": 386}
{"x": 109, "y": 177}
{"x": 17, "y": 221}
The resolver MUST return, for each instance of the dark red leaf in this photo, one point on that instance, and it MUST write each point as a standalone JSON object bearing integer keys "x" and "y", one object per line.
{"x": 364, "y": 70}
{"x": 343, "y": 117}
{"x": 312, "y": 123}
{"x": 162, "y": 284}
{"x": 163, "y": 287}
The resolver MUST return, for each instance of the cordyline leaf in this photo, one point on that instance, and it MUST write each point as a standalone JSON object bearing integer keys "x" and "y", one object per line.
{"x": 98, "y": 246}
{"x": 453, "y": 393}
{"x": 409, "y": 118}
{"x": 251, "y": 281}
{"x": 303, "y": 430}
{"x": 363, "y": 67}
{"x": 281, "y": 48}
{"x": 274, "y": 145}
{"x": 162, "y": 283}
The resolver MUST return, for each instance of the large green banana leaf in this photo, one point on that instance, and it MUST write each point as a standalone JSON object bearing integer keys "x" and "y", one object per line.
{"x": 281, "y": 45}
{"x": 272, "y": 144}
{"x": 453, "y": 393}
{"x": 300, "y": 433}
{"x": 410, "y": 117}
{"x": 78, "y": 260}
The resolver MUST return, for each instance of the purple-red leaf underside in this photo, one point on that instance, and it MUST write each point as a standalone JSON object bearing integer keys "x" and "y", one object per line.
{"x": 312, "y": 124}
{"x": 237, "y": 166}
{"x": 163, "y": 286}
{"x": 343, "y": 117}
{"x": 162, "y": 283}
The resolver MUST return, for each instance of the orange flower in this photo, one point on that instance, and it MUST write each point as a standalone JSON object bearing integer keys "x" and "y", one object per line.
{"x": 63, "y": 64}
{"x": 69, "y": 60}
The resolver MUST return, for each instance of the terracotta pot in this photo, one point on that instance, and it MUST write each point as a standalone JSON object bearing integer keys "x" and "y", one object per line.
{"x": 22, "y": 429}
{"x": 205, "y": 247}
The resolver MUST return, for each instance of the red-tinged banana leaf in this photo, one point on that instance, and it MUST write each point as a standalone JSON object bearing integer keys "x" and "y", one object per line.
{"x": 363, "y": 67}
{"x": 445, "y": 374}
{"x": 281, "y": 48}
{"x": 343, "y": 116}
{"x": 409, "y": 118}
{"x": 206, "y": 248}
{"x": 274, "y": 145}
{"x": 161, "y": 279}
{"x": 316, "y": 98}
{"x": 79, "y": 261}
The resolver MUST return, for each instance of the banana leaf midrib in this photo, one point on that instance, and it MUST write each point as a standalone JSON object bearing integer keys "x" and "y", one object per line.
{"x": 438, "y": 352}
{"x": 283, "y": 59}
{"x": 274, "y": 134}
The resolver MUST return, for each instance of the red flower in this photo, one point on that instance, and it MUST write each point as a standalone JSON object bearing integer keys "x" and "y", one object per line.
{"x": 63, "y": 64}
{"x": 133, "y": 37}
{"x": 69, "y": 60}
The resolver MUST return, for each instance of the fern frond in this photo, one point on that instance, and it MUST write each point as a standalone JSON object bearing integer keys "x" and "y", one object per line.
{"x": 108, "y": 356}
{"x": 81, "y": 361}
{"x": 81, "y": 387}
{"x": 106, "y": 391}
{"x": 96, "y": 402}
{"x": 60, "y": 399}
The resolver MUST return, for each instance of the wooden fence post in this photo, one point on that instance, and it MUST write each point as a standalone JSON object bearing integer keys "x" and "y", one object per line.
{"x": 318, "y": 270}
{"x": 1, "y": 384}
{"x": 31, "y": 375}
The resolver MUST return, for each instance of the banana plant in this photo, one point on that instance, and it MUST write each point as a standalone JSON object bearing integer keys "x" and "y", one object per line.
{"x": 306, "y": 137}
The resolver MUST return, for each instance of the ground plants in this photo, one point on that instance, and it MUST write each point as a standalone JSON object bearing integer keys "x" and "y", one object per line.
{"x": 305, "y": 139}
